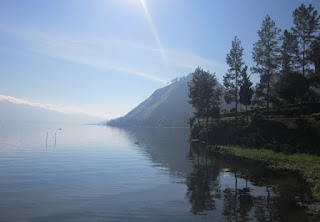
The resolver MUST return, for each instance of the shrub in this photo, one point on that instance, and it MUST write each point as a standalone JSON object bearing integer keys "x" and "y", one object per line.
{"x": 232, "y": 110}
{"x": 316, "y": 116}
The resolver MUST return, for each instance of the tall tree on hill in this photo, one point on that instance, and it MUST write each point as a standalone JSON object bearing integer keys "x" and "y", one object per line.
{"x": 306, "y": 25}
{"x": 204, "y": 95}
{"x": 232, "y": 79}
{"x": 315, "y": 55}
{"x": 266, "y": 55}
{"x": 289, "y": 51}
{"x": 246, "y": 90}
{"x": 290, "y": 85}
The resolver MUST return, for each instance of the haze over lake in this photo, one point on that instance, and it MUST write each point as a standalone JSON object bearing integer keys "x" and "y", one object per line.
{"x": 159, "y": 110}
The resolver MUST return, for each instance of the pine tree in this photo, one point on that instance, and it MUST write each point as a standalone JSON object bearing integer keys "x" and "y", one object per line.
{"x": 232, "y": 79}
{"x": 266, "y": 55}
{"x": 315, "y": 57}
{"x": 315, "y": 54}
{"x": 289, "y": 50}
{"x": 289, "y": 86}
{"x": 246, "y": 90}
{"x": 306, "y": 24}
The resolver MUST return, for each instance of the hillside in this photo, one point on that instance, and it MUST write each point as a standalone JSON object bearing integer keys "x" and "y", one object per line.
{"x": 167, "y": 107}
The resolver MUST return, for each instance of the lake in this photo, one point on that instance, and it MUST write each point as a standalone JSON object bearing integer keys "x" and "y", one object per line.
{"x": 99, "y": 173}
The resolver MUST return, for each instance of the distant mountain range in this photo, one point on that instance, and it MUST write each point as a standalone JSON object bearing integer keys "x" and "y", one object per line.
{"x": 166, "y": 107}
{"x": 21, "y": 114}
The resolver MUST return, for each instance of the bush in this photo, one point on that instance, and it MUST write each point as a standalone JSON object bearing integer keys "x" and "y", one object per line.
{"x": 232, "y": 110}
{"x": 316, "y": 116}
{"x": 257, "y": 116}
{"x": 224, "y": 111}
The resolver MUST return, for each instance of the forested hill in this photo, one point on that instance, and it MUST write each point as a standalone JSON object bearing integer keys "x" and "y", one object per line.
{"x": 167, "y": 107}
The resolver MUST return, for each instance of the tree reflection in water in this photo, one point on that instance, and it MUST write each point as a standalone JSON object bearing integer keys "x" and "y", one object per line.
{"x": 261, "y": 199}
{"x": 223, "y": 188}
{"x": 202, "y": 184}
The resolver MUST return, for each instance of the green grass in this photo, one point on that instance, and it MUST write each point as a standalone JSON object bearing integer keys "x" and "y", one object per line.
{"x": 228, "y": 118}
{"x": 308, "y": 166}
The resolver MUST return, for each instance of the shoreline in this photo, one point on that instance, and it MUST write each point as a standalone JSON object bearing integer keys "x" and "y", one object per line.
{"x": 307, "y": 166}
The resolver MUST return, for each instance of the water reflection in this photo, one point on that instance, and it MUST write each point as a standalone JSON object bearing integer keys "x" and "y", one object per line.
{"x": 100, "y": 173}
{"x": 223, "y": 188}
{"x": 165, "y": 147}
{"x": 246, "y": 192}
{"x": 202, "y": 185}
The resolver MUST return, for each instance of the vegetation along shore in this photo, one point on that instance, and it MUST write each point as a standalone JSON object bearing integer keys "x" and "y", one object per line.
{"x": 307, "y": 166}
{"x": 277, "y": 122}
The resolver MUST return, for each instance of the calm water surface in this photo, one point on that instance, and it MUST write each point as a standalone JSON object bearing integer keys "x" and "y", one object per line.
{"x": 97, "y": 173}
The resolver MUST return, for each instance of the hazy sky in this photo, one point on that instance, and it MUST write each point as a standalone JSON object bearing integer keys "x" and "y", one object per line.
{"x": 104, "y": 57}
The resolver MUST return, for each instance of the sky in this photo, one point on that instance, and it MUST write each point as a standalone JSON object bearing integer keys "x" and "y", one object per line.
{"x": 104, "y": 57}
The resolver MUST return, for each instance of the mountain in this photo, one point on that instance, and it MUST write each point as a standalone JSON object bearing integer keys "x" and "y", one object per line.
{"x": 21, "y": 114}
{"x": 166, "y": 107}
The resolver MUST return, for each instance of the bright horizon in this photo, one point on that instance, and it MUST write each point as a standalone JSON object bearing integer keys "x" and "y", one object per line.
{"x": 103, "y": 58}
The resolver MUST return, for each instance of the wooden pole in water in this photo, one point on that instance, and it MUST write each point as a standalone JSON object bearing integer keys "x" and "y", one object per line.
{"x": 55, "y": 139}
{"x": 47, "y": 141}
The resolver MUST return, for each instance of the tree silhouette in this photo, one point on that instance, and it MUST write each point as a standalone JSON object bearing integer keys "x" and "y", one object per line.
{"x": 246, "y": 90}
{"x": 306, "y": 24}
{"x": 204, "y": 95}
{"x": 289, "y": 51}
{"x": 201, "y": 184}
{"x": 266, "y": 55}
{"x": 232, "y": 79}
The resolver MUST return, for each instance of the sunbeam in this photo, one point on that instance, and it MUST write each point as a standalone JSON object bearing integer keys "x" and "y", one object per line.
{"x": 155, "y": 34}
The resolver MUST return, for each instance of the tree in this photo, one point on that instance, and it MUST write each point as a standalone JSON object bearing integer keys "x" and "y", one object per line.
{"x": 204, "y": 95}
{"x": 289, "y": 50}
{"x": 291, "y": 86}
{"x": 315, "y": 54}
{"x": 306, "y": 24}
{"x": 191, "y": 121}
{"x": 266, "y": 55}
{"x": 246, "y": 90}
{"x": 315, "y": 57}
{"x": 259, "y": 94}
{"x": 232, "y": 79}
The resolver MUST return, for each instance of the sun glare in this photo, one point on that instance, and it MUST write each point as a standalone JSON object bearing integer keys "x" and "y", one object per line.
{"x": 143, "y": 3}
{"x": 155, "y": 34}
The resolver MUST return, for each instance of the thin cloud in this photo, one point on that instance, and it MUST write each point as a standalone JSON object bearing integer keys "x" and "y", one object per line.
{"x": 114, "y": 54}
{"x": 94, "y": 52}
{"x": 62, "y": 109}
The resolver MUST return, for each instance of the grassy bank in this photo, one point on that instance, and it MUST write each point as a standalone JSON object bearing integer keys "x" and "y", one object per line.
{"x": 308, "y": 166}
